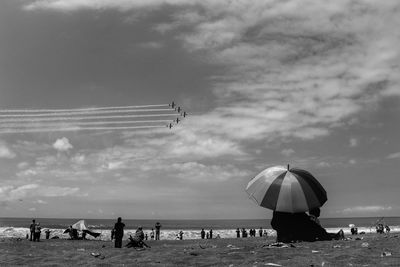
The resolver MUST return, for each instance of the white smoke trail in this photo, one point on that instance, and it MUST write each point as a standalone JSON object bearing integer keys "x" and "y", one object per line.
{"x": 84, "y": 118}
{"x": 82, "y": 123}
{"x": 79, "y": 109}
{"x": 69, "y": 129}
{"x": 74, "y": 113}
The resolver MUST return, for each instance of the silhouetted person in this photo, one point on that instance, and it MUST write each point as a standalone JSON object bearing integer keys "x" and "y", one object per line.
{"x": 181, "y": 235}
{"x": 244, "y": 233}
{"x": 292, "y": 227}
{"x": 47, "y": 232}
{"x": 237, "y": 233}
{"x": 203, "y": 233}
{"x": 158, "y": 227}
{"x": 211, "y": 233}
{"x": 260, "y": 232}
{"x": 152, "y": 234}
{"x": 38, "y": 230}
{"x": 119, "y": 232}
{"x": 137, "y": 240}
{"x": 32, "y": 230}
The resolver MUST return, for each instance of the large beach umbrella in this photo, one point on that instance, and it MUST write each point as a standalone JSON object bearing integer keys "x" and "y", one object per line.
{"x": 287, "y": 190}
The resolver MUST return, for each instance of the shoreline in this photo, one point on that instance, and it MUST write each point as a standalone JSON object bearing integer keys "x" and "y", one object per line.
{"x": 167, "y": 234}
{"x": 371, "y": 250}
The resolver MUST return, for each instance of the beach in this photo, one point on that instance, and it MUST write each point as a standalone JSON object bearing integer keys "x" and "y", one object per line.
{"x": 368, "y": 250}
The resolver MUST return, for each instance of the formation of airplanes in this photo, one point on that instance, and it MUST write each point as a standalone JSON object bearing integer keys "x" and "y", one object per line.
{"x": 180, "y": 112}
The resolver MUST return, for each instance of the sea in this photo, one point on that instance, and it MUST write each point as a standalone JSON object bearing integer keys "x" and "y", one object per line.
{"x": 19, "y": 227}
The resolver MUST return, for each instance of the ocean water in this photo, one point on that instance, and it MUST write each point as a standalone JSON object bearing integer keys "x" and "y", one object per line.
{"x": 19, "y": 227}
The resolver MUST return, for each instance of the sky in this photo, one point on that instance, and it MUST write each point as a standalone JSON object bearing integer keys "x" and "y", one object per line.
{"x": 265, "y": 82}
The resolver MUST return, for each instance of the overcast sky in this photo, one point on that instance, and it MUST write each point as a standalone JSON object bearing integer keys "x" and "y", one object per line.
{"x": 313, "y": 84}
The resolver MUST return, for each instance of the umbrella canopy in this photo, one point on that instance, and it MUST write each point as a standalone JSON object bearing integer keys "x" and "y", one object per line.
{"x": 80, "y": 225}
{"x": 287, "y": 190}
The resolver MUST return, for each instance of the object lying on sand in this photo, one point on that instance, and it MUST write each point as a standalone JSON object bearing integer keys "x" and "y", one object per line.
{"x": 136, "y": 242}
{"x": 81, "y": 226}
{"x": 278, "y": 245}
{"x": 97, "y": 255}
{"x": 386, "y": 253}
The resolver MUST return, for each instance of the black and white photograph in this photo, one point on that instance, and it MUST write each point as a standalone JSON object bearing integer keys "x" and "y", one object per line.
{"x": 199, "y": 133}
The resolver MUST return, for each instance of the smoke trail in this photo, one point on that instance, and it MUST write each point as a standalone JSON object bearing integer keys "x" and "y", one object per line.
{"x": 88, "y": 112}
{"x": 83, "y": 123}
{"x": 84, "y": 118}
{"x": 79, "y": 109}
{"x": 68, "y": 129}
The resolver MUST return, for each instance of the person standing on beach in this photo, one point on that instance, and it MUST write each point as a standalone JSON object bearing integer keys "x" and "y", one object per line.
{"x": 211, "y": 232}
{"x": 32, "y": 230}
{"x": 260, "y": 232}
{"x": 152, "y": 234}
{"x": 202, "y": 233}
{"x": 38, "y": 230}
{"x": 158, "y": 227}
{"x": 118, "y": 232}
{"x": 237, "y": 233}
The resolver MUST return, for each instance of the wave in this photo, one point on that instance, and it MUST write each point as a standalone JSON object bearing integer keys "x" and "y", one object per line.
{"x": 22, "y": 232}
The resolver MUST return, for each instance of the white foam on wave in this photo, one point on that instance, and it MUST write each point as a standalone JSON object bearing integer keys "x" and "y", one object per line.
{"x": 20, "y": 232}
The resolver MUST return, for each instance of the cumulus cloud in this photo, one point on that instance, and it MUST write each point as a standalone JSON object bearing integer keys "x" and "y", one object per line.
{"x": 289, "y": 69}
{"x": 393, "y": 156}
{"x": 9, "y": 193}
{"x": 287, "y": 152}
{"x": 323, "y": 164}
{"x": 366, "y": 209}
{"x": 353, "y": 142}
{"x": 62, "y": 144}
{"x": 6, "y": 152}
{"x": 151, "y": 45}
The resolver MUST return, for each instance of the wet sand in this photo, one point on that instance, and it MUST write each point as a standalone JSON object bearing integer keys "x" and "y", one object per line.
{"x": 217, "y": 252}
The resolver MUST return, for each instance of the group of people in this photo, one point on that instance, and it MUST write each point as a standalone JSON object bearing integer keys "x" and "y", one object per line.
{"x": 293, "y": 227}
{"x": 35, "y": 231}
{"x": 208, "y": 235}
{"x": 380, "y": 228}
{"x": 117, "y": 233}
{"x": 252, "y": 233}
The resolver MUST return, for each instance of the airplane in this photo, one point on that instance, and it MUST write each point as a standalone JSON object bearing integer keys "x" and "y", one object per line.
{"x": 172, "y": 105}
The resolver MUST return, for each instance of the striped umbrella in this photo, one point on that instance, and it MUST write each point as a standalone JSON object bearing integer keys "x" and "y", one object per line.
{"x": 286, "y": 190}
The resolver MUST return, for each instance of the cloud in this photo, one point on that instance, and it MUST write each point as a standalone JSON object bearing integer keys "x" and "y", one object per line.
{"x": 194, "y": 171}
{"x": 10, "y": 193}
{"x": 288, "y": 70}
{"x": 151, "y": 45}
{"x": 393, "y": 156}
{"x": 122, "y": 5}
{"x": 23, "y": 165}
{"x": 6, "y": 152}
{"x": 353, "y": 142}
{"x": 39, "y": 201}
{"x": 366, "y": 209}
{"x": 287, "y": 152}
{"x": 62, "y": 144}
{"x": 323, "y": 164}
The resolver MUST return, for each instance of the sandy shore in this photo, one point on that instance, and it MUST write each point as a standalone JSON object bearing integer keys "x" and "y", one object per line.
{"x": 217, "y": 252}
